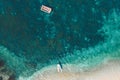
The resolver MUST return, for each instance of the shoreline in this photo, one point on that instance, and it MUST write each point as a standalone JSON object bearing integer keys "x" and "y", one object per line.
{"x": 110, "y": 70}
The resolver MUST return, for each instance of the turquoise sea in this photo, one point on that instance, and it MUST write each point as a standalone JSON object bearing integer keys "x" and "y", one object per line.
{"x": 81, "y": 32}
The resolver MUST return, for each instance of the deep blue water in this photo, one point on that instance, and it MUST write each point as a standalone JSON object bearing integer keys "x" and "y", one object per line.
{"x": 37, "y": 38}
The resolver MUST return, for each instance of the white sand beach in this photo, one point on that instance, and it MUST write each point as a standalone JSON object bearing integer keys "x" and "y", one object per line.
{"x": 108, "y": 71}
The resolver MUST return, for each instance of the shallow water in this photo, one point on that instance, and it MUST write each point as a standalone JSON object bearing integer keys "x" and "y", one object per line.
{"x": 84, "y": 33}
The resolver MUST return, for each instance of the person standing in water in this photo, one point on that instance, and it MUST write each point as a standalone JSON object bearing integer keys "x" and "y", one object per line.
{"x": 59, "y": 67}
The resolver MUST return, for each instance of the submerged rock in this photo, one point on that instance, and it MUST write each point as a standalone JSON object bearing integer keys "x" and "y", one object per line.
{"x": 1, "y": 78}
{"x": 12, "y": 77}
{"x": 1, "y": 63}
{"x": 5, "y": 72}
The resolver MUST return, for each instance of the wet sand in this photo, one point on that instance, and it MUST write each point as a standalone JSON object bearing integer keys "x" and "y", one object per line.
{"x": 108, "y": 71}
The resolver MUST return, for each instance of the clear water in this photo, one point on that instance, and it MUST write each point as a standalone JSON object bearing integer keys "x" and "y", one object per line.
{"x": 84, "y": 33}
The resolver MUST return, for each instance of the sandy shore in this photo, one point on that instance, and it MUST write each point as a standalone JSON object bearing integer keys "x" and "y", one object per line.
{"x": 108, "y": 71}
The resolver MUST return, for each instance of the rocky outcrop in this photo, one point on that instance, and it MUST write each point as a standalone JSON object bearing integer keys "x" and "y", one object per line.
{"x": 5, "y": 72}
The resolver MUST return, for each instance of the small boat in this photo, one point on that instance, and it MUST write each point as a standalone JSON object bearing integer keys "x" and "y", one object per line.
{"x": 46, "y": 9}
